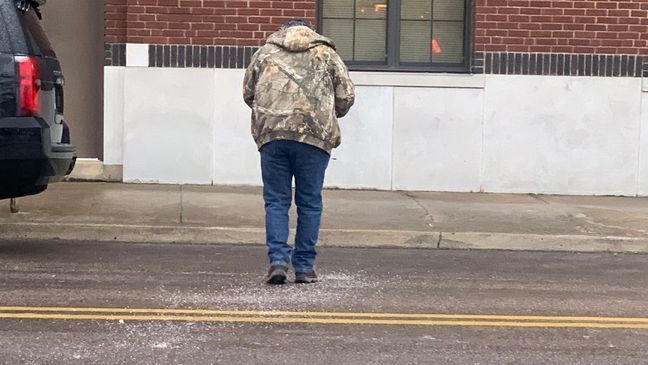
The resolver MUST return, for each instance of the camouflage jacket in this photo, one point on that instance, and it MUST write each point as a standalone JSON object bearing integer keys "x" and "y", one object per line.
{"x": 297, "y": 87}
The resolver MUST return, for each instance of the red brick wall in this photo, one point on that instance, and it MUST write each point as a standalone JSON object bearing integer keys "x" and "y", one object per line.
{"x": 586, "y": 26}
{"x": 115, "y": 21}
{"x": 559, "y": 26}
{"x": 203, "y": 22}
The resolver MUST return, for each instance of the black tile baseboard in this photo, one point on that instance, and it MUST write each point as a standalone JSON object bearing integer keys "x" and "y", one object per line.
{"x": 560, "y": 64}
{"x": 114, "y": 54}
{"x": 493, "y": 63}
{"x": 185, "y": 56}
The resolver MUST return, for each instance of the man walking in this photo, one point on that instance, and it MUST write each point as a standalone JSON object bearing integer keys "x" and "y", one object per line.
{"x": 297, "y": 87}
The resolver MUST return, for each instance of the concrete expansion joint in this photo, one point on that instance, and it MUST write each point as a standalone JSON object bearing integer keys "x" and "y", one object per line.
{"x": 181, "y": 204}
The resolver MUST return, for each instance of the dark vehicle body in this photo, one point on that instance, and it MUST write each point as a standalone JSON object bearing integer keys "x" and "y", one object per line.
{"x": 35, "y": 147}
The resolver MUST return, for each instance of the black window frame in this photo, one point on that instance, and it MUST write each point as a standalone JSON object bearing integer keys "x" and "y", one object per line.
{"x": 393, "y": 44}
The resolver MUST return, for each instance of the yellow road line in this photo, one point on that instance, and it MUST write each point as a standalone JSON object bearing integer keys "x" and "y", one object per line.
{"x": 341, "y": 321}
{"x": 203, "y": 312}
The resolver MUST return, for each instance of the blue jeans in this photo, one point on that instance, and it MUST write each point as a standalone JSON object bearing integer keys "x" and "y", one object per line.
{"x": 280, "y": 162}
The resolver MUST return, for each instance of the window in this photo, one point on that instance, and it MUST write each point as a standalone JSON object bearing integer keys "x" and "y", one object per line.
{"x": 427, "y": 35}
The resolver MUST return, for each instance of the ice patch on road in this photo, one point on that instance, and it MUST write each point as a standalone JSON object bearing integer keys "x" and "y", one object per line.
{"x": 333, "y": 289}
{"x": 251, "y": 293}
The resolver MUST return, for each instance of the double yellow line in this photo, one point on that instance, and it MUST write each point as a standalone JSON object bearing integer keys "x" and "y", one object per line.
{"x": 329, "y": 318}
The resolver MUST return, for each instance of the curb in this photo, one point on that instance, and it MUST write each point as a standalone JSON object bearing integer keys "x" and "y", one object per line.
{"x": 328, "y": 237}
{"x": 205, "y": 235}
{"x": 536, "y": 242}
{"x": 93, "y": 170}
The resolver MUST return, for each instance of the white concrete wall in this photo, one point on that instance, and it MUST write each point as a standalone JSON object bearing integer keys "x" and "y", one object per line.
{"x": 437, "y": 138}
{"x": 169, "y": 125}
{"x": 561, "y": 135}
{"x": 642, "y": 185}
{"x": 113, "y": 115}
{"x": 521, "y": 134}
{"x": 364, "y": 160}
{"x": 236, "y": 160}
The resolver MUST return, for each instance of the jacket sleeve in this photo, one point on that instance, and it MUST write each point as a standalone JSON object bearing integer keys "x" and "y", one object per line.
{"x": 343, "y": 85}
{"x": 250, "y": 80}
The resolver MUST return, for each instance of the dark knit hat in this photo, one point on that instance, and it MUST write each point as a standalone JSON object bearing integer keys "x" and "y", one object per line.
{"x": 297, "y": 22}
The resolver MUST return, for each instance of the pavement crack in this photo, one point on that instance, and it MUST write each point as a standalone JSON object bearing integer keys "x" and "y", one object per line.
{"x": 538, "y": 197}
{"x": 440, "y": 239}
{"x": 428, "y": 216}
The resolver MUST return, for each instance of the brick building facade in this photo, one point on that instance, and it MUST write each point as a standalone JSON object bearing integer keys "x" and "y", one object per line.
{"x": 544, "y": 26}
{"x": 516, "y": 96}
{"x": 554, "y": 37}
{"x": 200, "y": 22}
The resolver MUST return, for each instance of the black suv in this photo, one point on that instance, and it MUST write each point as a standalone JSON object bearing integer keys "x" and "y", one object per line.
{"x": 35, "y": 147}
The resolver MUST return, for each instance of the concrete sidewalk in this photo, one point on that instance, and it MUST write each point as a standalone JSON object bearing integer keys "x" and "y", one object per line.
{"x": 202, "y": 214}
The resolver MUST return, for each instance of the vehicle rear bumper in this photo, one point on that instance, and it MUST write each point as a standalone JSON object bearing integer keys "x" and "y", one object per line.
{"x": 28, "y": 157}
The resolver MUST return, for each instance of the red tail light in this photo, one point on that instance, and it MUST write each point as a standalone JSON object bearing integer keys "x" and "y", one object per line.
{"x": 29, "y": 86}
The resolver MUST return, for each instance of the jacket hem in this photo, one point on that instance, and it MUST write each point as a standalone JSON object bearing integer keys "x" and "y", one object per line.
{"x": 292, "y": 136}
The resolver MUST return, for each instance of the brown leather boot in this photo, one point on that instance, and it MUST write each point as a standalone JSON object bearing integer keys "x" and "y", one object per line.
{"x": 276, "y": 275}
{"x": 305, "y": 277}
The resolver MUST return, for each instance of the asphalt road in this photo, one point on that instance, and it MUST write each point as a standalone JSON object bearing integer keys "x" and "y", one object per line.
{"x": 191, "y": 304}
